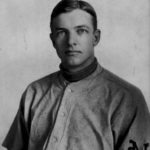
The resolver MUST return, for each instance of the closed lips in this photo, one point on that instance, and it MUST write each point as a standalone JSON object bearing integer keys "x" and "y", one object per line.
{"x": 72, "y": 52}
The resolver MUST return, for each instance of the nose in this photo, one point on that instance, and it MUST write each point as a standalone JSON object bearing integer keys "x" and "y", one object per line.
{"x": 72, "y": 39}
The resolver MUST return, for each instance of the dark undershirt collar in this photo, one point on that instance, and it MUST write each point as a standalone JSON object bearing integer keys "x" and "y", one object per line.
{"x": 76, "y": 76}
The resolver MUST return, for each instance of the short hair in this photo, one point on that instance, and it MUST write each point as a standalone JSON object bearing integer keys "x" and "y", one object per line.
{"x": 65, "y": 6}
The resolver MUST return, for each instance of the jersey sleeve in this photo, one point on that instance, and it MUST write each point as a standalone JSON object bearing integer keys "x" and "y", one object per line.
{"x": 17, "y": 137}
{"x": 131, "y": 123}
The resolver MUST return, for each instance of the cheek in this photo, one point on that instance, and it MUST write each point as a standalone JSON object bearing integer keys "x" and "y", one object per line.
{"x": 59, "y": 42}
{"x": 87, "y": 38}
{"x": 87, "y": 42}
{"x": 60, "y": 46}
{"x": 59, "y": 53}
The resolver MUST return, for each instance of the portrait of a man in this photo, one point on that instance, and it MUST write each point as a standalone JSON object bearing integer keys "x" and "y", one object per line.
{"x": 82, "y": 105}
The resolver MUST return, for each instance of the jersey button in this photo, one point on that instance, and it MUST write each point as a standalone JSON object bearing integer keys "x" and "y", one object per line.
{"x": 55, "y": 139}
{"x": 70, "y": 90}
{"x": 63, "y": 114}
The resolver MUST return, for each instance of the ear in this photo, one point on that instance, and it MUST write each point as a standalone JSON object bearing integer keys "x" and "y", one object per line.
{"x": 97, "y": 34}
{"x": 52, "y": 38}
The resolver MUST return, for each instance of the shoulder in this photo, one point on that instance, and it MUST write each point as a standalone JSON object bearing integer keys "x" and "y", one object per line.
{"x": 116, "y": 83}
{"x": 122, "y": 96}
{"x": 119, "y": 92}
{"x": 38, "y": 88}
{"x": 35, "y": 91}
{"x": 44, "y": 82}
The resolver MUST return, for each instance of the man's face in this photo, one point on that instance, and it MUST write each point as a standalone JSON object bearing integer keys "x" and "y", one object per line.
{"x": 74, "y": 38}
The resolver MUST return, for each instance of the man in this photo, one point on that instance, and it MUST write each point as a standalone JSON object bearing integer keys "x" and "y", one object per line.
{"x": 83, "y": 106}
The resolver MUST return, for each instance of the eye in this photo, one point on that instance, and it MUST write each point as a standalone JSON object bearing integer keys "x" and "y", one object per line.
{"x": 81, "y": 31}
{"x": 60, "y": 33}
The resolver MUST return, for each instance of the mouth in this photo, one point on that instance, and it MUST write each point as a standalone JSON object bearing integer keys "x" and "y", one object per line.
{"x": 72, "y": 52}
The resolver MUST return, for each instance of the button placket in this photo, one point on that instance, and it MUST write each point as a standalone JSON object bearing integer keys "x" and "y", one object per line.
{"x": 60, "y": 123}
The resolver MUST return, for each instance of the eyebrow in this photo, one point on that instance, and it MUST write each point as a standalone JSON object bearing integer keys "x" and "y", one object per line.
{"x": 76, "y": 27}
{"x": 59, "y": 28}
{"x": 82, "y": 26}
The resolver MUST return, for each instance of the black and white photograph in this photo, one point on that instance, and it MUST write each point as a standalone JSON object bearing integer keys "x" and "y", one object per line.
{"x": 75, "y": 75}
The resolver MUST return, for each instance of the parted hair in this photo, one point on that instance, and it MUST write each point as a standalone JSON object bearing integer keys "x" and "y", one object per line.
{"x": 65, "y": 6}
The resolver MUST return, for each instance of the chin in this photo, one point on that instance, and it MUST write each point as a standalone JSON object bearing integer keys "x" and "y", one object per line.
{"x": 73, "y": 62}
{"x": 76, "y": 64}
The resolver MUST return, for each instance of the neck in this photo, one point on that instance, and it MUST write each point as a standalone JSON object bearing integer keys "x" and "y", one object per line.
{"x": 78, "y": 75}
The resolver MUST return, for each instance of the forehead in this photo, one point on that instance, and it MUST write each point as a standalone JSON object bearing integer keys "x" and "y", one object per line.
{"x": 72, "y": 19}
